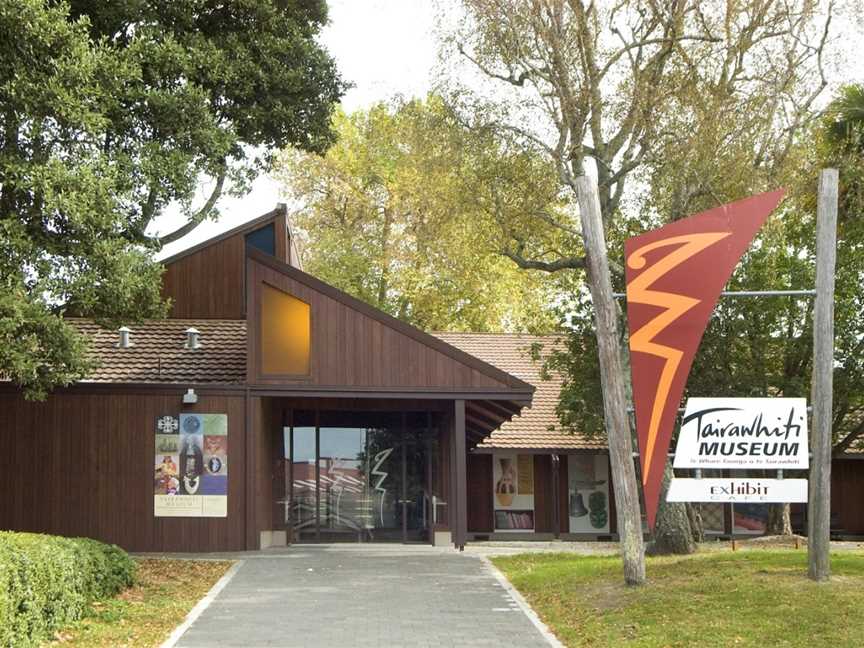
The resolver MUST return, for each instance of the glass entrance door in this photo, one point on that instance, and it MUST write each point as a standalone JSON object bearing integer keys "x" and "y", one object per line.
{"x": 358, "y": 477}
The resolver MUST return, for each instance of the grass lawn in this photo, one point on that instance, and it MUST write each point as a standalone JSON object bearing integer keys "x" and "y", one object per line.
{"x": 753, "y": 597}
{"x": 146, "y": 613}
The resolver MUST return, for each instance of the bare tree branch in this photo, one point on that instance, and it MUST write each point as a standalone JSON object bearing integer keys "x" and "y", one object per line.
{"x": 563, "y": 263}
{"x": 201, "y": 214}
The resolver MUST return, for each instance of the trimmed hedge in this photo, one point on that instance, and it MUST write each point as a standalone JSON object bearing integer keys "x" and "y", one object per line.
{"x": 49, "y": 581}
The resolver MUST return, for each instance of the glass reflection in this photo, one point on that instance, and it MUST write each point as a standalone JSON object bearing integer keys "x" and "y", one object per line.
{"x": 303, "y": 503}
{"x": 372, "y": 479}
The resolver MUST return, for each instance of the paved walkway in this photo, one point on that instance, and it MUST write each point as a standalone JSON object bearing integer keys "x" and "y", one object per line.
{"x": 363, "y": 595}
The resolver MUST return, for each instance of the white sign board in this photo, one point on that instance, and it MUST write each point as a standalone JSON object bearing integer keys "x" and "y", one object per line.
{"x": 737, "y": 489}
{"x": 746, "y": 433}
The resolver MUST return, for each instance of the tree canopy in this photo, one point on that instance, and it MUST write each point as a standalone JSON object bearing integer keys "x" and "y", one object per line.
{"x": 397, "y": 213}
{"x": 764, "y": 347}
{"x": 112, "y": 111}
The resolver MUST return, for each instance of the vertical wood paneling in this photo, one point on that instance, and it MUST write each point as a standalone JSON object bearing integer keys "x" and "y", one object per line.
{"x": 480, "y": 514}
{"x": 82, "y": 465}
{"x": 208, "y": 283}
{"x": 352, "y": 349}
{"x": 847, "y": 495}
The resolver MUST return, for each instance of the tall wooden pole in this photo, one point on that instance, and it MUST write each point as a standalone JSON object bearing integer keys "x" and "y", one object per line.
{"x": 819, "y": 513}
{"x": 460, "y": 498}
{"x": 613, "y": 383}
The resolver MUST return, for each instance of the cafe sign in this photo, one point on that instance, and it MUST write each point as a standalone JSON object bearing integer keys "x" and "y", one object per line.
{"x": 744, "y": 433}
{"x": 744, "y": 489}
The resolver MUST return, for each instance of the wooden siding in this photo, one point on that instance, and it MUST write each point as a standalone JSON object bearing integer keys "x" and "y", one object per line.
{"x": 265, "y": 419}
{"x": 847, "y": 495}
{"x": 480, "y": 513}
{"x": 207, "y": 281}
{"x": 351, "y": 348}
{"x": 82, "y": 465}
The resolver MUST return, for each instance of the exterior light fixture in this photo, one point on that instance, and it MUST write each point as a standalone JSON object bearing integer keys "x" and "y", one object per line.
{"x": 190, "y": 397}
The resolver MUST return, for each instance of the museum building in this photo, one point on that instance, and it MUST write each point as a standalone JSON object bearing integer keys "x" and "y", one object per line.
{"x": 272, "y": 408}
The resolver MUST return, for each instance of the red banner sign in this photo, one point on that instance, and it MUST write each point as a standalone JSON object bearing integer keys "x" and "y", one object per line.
{"x": 674, "y": 277}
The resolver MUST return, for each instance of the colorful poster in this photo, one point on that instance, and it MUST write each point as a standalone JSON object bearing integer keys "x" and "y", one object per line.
{"x": 191, "y": 466}
{"x": 588, "y": 493}
{"x": 513, "y": 492}
{"x": 674, "y": 277}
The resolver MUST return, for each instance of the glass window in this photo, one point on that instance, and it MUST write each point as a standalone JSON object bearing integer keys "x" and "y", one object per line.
{"x": 264, "y": 239}
{"x": 284, "y": 333}
{"x": 304, "y": 504}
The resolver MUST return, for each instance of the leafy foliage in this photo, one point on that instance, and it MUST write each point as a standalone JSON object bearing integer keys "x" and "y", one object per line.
{"x": 47, "y": 581}
{"x": 763, "y": 347}
{"x": 108, "y": 113}
{"x": 398, "y": 214}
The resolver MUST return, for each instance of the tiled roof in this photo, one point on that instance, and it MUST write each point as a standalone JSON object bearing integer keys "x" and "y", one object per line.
{"x": 537, "y": 426}
{"x": 158, "y": 353}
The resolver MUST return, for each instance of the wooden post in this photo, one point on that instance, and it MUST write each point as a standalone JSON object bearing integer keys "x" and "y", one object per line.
{"x": 819, "y": 517}
{"x": 461, "y": 495}
{"x": 612, "y": 383}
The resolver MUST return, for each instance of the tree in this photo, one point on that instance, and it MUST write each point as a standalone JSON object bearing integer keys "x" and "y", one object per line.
{"x": 596, "y": 86}
{"x": 393, "y": 214}
{"x": 111, "y": 111}
{"x": 763, "y": 347}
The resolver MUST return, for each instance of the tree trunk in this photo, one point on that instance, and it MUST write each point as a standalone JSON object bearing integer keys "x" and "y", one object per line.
{"x": 612, "y": 383}
{"x": 672, "y": 534}
{"x": 779, "y": 520}
{"x": 697, "y": 528}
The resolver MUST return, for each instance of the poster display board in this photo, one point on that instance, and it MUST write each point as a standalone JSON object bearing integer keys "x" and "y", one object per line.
{"x": 588, "y": 493}
{"x": 513, "y": 492}
{"x": 744, "y": 433}
{"x": 191, "y": 466}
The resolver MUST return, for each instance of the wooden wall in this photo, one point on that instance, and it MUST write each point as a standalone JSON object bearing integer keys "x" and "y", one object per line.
{"x": 350, "y": 348}
{"x": 81, "y": 464}
{"x": 847, "y": 494}
{"x": 209, "y": 281}
{"x": 263, "y": 421}
{"x": 480, "y": 512}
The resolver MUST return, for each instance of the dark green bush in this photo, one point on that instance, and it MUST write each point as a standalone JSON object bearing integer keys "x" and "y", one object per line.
{"x": 48, "y": 581}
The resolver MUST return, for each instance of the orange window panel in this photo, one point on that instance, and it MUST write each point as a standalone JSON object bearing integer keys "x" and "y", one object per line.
{"x": 285, "y": 333}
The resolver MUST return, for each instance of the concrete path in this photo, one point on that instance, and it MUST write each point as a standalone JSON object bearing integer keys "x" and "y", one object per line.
{"x": 363, "y": 595}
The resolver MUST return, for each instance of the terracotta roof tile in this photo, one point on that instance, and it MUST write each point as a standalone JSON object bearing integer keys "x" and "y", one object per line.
{"x": 158, "y": 353}
{"x": 538, "y": 426}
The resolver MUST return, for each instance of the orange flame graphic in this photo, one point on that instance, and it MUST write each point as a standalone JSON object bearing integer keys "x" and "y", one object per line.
{"x": 674, "y": 305}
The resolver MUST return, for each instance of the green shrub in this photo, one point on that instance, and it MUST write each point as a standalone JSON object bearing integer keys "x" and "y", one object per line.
{"x": 48, "y": 581}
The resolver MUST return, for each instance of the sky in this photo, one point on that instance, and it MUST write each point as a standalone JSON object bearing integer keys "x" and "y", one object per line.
{"x": 385, "y": 48}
